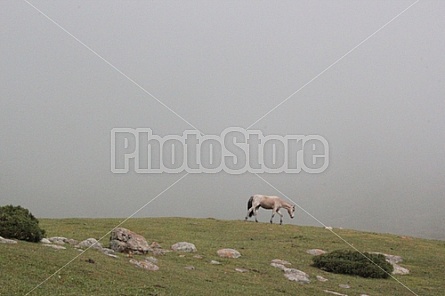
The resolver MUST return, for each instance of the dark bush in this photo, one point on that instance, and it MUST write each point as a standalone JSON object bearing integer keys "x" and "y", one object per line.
{"x": 354, "y": 263}
{"x": 19, "y": 223}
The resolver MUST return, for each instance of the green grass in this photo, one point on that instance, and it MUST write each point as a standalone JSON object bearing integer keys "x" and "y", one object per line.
{"x": 24, "y": 265}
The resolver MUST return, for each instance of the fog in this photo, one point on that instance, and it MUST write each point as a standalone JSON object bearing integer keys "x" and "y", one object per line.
{"x": 366, "y": 76}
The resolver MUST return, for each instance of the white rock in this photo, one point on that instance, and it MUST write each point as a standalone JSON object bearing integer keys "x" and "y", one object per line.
{"x": 7, "y": 241}
{"x": 56, "y": 246}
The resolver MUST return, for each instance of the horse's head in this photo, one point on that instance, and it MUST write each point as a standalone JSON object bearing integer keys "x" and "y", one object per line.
{"x": 291, "y": 211}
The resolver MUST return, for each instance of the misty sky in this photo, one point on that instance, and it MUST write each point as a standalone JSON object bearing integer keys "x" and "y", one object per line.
{"x": 220, "y": 64}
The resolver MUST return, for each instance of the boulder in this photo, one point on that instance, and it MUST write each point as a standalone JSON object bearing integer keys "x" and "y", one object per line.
{"x": 124, "y": 240}
{"x": 7, "y": 241}
{"x": 228, "y": 253}
{"x": 184, "y": 247}
{"x": 242, "y": 270}
{"x": 321, "y": 279}
{"x": 315, "y": 252}
{"x": 214, "y": 262}
{"x": 90, "y": 243}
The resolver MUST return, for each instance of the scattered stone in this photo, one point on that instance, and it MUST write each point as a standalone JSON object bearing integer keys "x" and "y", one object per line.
{"x": 57, "y": 247}
{"x": 296, "y": 275}
{"x": 399, "y": 270}
{"x": 155, "y": 245}
{"x": 292, "y": 274}
{"x": 184, "y": 247}
{"x": 71, "y": 241}
{"x": 45, "y": 241}
{"x": 112, "y": 255}
{"x": 316, "y": 252}
{"x": 198, "y": 257}
{"x": 145, "y": 265}
{"x": 279, "y": 266}
{"x": 242, "y": 270}
{"x": 321, "y": 279}
{"x": 190, "y": 267}
{"x": 125, "y": 241}
{"x": 228, "y": 253}
{"x": 90, "y": 243}
{"x": 328, "y": 228}
{"x": 335, "y": 293}
{"x": 182, "y": 256}
{"x": 279, "y": 261}
{"x": 7, "y": 241}
{"x": 394, "y": 260}
{"x": 60, "y": 240}
{"x": 107, "y": 251}
{"x": 215, "y": 262}
{"x": 344, "y": 286}
{"x": 152, "y": 260}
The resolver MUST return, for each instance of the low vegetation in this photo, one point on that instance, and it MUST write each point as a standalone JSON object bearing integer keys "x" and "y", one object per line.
{"x": 18, "y": 223}
{"x": 25, "y": 265}
{"x": 354, "y": 263}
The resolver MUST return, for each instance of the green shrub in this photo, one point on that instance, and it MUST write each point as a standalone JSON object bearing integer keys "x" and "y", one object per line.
{"x": 354, "y": 263}
{"x": 19, "y": 223}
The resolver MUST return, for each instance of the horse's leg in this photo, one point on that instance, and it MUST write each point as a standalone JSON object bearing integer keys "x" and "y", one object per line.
{"x": 273, "y": 215}
{"x": 281, "y": 217}
{"x": 255, "y": 212}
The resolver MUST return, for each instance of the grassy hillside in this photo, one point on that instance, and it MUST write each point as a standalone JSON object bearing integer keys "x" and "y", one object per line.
{"x": 25, "y": 265}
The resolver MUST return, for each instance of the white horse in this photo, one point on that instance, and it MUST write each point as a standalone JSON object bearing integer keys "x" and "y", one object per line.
{"x": 273, "y": 203}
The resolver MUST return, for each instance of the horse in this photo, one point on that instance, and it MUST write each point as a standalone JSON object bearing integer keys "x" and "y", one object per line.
{"x": 273, "y": 203}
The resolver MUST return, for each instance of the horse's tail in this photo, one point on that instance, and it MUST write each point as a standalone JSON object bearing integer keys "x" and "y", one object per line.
{"x": 249, "y": 205}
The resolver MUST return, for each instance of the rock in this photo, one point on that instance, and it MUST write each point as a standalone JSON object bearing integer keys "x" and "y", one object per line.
{"x": 112, "y": 255}
{"x": 296, "y": 275}
{"x": 89, "y": 260}
{"x": 190, "y": 267}
{"x": 215, "y": 262}
{"x": 60, "y": 240}
{"x": 45, "y": 241}
{"x": 155, "y": 245}
{"x": 198, "y": 257}
{"x": 279, "y": 266}
{"x": 184, "y": 247}
{"x": 242, "y": 270}
{"x": 344, "y": 286}
{"x": 292, "y": 274}
{"x": 328, "y": 228}
{"x": 279, "y": 261}
{"x": 107, "y": 251}
{"x": 393, "y": 260}
{"x": 151, "y": 259}
{"x": 90, "y": 243}
{"x": 321, "y": 279}
{"x": 228, "y": 253}
{"x": 145, "y": 265}
{"x": 126, "y": 241}
{"x": 316, "y": 252}
{"x": 335, "y": 293}
{"x": 399, "y": 270}
{"x": 7, "y": 241}
{"x": 54, "y": 246}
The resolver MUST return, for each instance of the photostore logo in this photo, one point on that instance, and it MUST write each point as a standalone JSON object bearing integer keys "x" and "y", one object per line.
{"x": 235, "y": 151}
